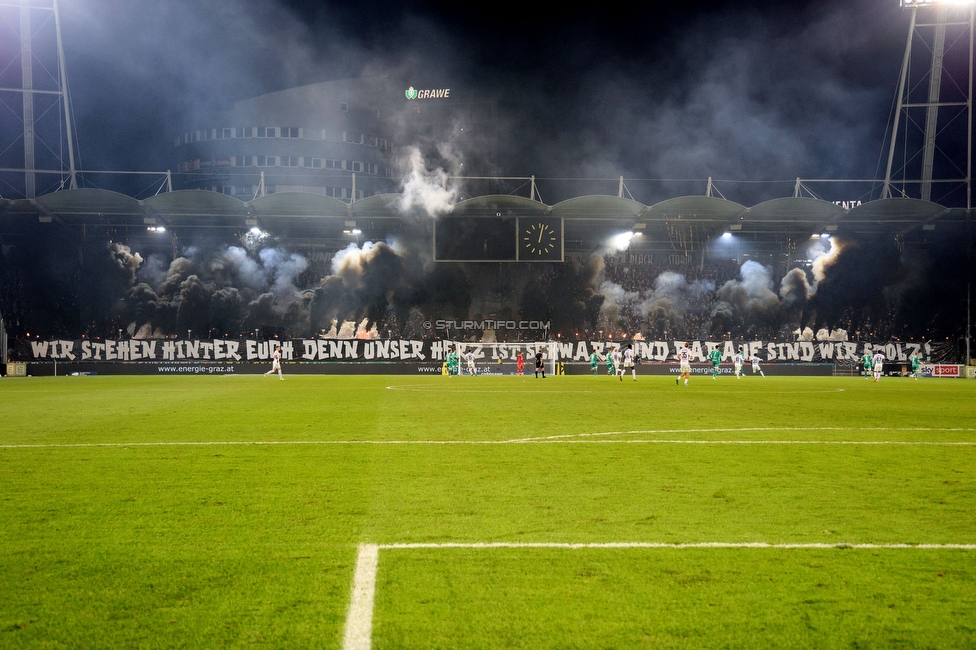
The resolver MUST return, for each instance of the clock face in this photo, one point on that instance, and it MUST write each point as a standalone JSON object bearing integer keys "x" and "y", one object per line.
{"x": 540, "y": 241}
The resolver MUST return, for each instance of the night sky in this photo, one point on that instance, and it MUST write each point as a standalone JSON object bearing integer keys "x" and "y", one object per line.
{"x": 737, "y": 90}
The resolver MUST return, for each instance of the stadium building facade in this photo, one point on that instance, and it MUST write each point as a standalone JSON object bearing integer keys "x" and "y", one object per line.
{"x": 335, "y": 138}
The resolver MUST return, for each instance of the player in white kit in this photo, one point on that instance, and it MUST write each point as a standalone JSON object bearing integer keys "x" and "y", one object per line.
{"x": 877, "y": 361}
{"x": 628, "y": 363}
{"x": 737, "y": 361}
{"x": 469, "y": 358}
{"x": 755, "y": 365}
{"x": 276, "y": 362}
{"x": 684, "y": 363}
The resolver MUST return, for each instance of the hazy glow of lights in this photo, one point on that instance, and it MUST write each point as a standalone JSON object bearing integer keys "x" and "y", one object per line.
{"x": 621, "y": 242}
{"x": 927, "y": 3}
{"x": 255, "y": 231}
{"x": 726, "y": 235}
{"x": 826, "y": 236}
{"x": 156, "y": 229}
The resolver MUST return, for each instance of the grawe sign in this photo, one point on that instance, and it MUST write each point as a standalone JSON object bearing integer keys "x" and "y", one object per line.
{"x": 430, "y": 93}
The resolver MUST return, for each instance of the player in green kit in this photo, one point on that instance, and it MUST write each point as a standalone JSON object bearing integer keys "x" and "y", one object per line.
{"x": 452, "y": 363}
{"x": 916, "y": 364}
{"x": 866, "y": 362}
{"x": 611, "y": 366}
{"x": 716, "y": 357}
{"x": 594, "y": 362}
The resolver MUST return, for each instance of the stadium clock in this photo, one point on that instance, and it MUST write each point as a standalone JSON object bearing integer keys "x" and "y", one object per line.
{"x": 540, "y": 239}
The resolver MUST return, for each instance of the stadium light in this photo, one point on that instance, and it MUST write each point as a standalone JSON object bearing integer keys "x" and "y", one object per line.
{"x": 156, "y": 229}
{"x": 622, "y": 241}
{"x": 726, "y": 235}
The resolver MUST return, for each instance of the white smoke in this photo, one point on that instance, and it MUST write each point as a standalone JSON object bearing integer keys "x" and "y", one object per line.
{"x": 823, "y": 254}
{"x": 754, "y": 292}
{"x": 430, "y": 191}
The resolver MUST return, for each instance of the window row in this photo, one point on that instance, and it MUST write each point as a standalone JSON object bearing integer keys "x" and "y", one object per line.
{"x": 284, "y": 132}
{"x": 356, "y": 166}
{"x": 248, "y": 192}
{"x": 304, "y": 161}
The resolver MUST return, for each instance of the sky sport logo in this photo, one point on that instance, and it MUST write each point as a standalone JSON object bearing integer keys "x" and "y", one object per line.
{"x": 440, "y": 93}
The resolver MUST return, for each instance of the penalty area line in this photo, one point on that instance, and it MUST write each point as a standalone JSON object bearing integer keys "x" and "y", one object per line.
{"x": 359, "y": 622}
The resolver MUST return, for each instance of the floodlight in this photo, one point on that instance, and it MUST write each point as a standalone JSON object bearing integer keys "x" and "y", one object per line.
{"x": 255, "y": 230}
{"x": 726, "y": 235}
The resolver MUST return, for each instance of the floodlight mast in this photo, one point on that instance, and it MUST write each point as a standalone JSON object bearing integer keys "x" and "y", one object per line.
{"x": 933, "y": 100}
{"x": 43, "y": 142}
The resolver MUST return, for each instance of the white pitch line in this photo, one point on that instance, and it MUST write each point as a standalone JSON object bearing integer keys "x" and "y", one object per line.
{"x": 570, "y": 438}
{"x": 665, "y": 545}
{"x": 359, "y": 624}
{"x": 734, "y": 430}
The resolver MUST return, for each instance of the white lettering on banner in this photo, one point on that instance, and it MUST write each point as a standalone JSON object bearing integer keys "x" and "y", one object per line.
{"x": 850, "y": 351}
{"x": 728, "y": 351}
{"x": 39, "y": 348}
{"x": 206, "y": 350}
{"x": 229, "y": 350}
{"x": 660, "y": 350}
{"x": 67, "y": 349}
{"x": 755, "y": 347}
{"x": 806, "y": 351}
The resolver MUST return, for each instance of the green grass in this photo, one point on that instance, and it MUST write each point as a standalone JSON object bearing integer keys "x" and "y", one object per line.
{"x": 136, "y": 544}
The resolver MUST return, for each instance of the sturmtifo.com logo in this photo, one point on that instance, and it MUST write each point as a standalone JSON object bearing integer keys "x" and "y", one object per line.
{"x": 439, "y": 93}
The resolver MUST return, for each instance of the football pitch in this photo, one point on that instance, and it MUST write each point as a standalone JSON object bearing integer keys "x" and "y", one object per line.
{"x": 487, "y": 512}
